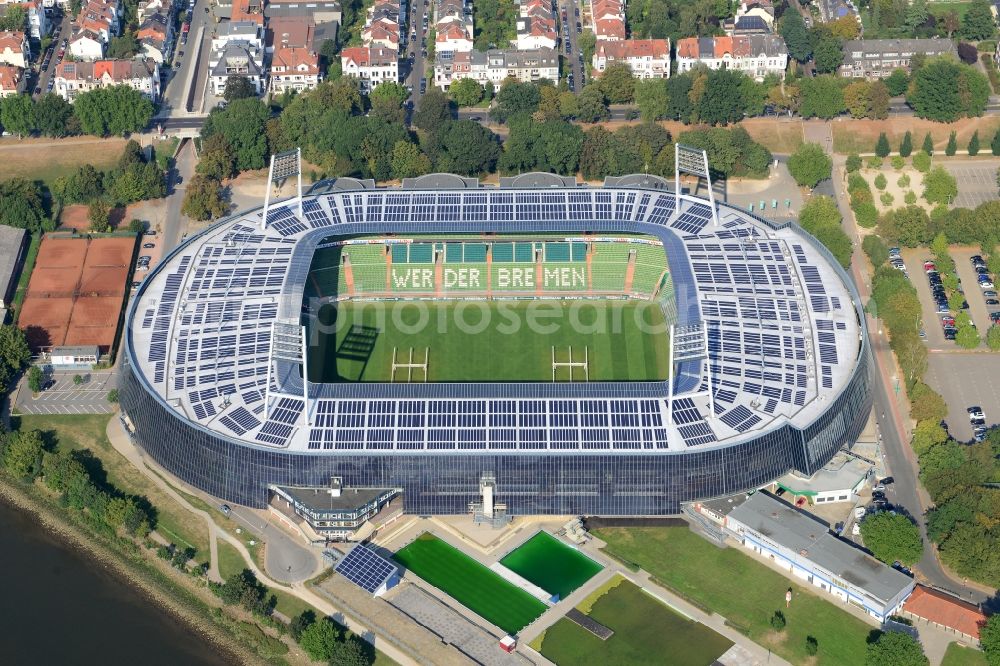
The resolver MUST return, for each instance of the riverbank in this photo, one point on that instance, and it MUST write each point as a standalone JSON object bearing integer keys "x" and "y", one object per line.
{"x": 156, "y": 586}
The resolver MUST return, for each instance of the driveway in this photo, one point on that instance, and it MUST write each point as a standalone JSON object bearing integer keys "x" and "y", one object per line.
{"x": 67, "y": 397}
{"x": 914, "y": 259}
{"x": 289, "y": 560}
{"x": 973, "y": 293}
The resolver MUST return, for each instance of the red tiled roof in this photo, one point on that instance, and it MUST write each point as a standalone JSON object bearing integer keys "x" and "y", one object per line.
{"x": 291, "y": 58}
{"x": 687, "y": 47}
{"x": 610, "y": 28}
{"x": 944, "y": 610}
{"x": 11, "y": 40}
{"x": 634, "y": 48}
{"x": 10, "y": 77}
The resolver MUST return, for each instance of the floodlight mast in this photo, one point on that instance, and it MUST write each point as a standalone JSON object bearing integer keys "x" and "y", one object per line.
{"x": 693, "y": 161}
{"x": 283, "y": 166}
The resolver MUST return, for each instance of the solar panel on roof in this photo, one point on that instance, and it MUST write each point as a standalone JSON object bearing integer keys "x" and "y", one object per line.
{"x": 367, "y": 569}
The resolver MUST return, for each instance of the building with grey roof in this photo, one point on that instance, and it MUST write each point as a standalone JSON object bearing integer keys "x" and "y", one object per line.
{"x": 876, "y": 58}
{"x": 12, "y": 247}
{"x": 805, "y": 547}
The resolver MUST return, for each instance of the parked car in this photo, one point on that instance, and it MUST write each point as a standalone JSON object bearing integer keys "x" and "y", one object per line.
{"x": 859, "y": 512}
{"x": 887, "y": 481}
{"x": 979, "y": 433}
{"x": 986, "y": 284}
{"x": 148, "y": 245}
{"x": 989, "y": 293}
{"x": 975, "y": 412}
{"x": 992, "y": 301}
{"x": 856, "y": 529}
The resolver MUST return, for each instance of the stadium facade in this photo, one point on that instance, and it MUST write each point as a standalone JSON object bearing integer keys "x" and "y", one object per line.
{"x": 771, "y": 361}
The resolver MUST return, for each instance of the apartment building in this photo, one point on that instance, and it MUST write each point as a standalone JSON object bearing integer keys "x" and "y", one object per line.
{"x": 608, "y": 19}
{"x": 14, "y": 49}
{"x": 156, "y": 37}
{"x": 453, "y": 29}
{"x": 37, "y": 22}
{"x": 647, "y": 58}
{"x": 236, "y": 58}
{"x": 11, "y": 80}
{"x": 73, "y": 78}
{"x": 290, "y": 32}
{"x": 755, "y": 55}
{"x": 536, "y": 25}
{"x": 370, "y": 64}
{"x": 495, "y": 66}
{"x": 876, "y": 58}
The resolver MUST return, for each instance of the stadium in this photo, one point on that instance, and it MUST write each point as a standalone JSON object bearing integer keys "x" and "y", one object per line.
{"x": 533, "y": 348}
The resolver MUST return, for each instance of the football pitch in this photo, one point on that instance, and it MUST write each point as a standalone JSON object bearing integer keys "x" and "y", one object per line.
{"x": 551, "y": 565}
{"x": 470, "y": 583}
{"x": 489, "y": 341}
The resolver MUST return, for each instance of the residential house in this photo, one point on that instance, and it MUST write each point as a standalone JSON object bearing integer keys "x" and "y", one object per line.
{"x": 290, "y": 32}
{"x": 247, "y": 10}
{"x": 11, "y": 80}
{"x": 370, "y": 64}
{"x": 876, "y": 58}
{"x": 381, "y": 34}
{"x": 86, "y": 45}
{"x": 14, "y": 49}
{"x": 236, "y": 58}
{"x": 294, "y": 68}
{"x": 752, "y": 13}
{"x": 831, "y": 10}
{"x": 495, "y": 66}
{"x": 73, "y": 78}
{"x": 99, "y": 17}
{"x": 156, "y": 37}
{"x": 148, "y": 8}
{"x": 452, "y": 26}
{"x": 608, "y": 19}
{"x": 755, "y": 55}
{"x": 804, "y": 548}
{"x": 37, "y": 21}
{"x": 647, "y": 58}
{"x": 250, "y": 32}
{"x": 536, "y": 25}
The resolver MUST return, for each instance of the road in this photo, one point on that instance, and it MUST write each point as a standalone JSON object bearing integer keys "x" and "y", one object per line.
{"x": 288, "y": 560}
{"x": 571, "y": 8}
{"x": 419, "y": 65}
{"x": 63, "y": 26}
{"x": 175, "y": 224}
{"x": 191, "y": 71}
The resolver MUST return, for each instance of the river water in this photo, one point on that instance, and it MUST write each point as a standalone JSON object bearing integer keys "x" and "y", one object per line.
{"x": 58, "y": 606}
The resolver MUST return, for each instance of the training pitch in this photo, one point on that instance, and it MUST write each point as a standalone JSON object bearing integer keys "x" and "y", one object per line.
{"x": 551, "y": 565}
{"x": 470, "y": 583}
{"x": 495, "y": 341}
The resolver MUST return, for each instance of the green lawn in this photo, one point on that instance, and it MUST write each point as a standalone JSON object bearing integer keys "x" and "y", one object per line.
{"x": 646, "y": 631}
{"x": 959, "y": 655}
{"x": 551, "y": 565}
{"x": 470, "y": 583}
{"x": 499, "y": 341}
{"x": 29, "y": 265}
{"x": 744, "y": 591}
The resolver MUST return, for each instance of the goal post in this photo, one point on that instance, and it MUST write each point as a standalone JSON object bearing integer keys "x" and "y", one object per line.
{"x": 409, "y": 365}
{"x": 571, "y": 364}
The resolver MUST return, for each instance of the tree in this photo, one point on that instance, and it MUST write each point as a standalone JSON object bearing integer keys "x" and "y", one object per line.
{"x": 351, "y": 652}
{"x": 922, "y": 162}
{"x": 113, "y": 396}
{"x": 952, "y": 146}
{"x": 989, "y": 639}
{"x": 17, "y": 114}
{"x": 118, "y": 110}
{"x": 618, "y": 83}
{"x": 593, "y": 105}
{"x": 98, "y": 212}
{"x": 434, "y": 111}
{"x": 946, "y": 90}
{"x": 967, "y": 337}
{"x": 22, "y": 456}
{"x": 940, "y": 186}
{"x": 203, "y": 199}
{"x": 978, "y": 23}
{"x": 243, "y": 124}
{"x": 916, "y": 15}
{"x": 876, "y": 249}
{"x": 822, "y": 96}
{"x": 53, "y": 115}
{"x": 821, "y": 217}
{"x": 895, "y": 648}
{"x": 892, "y": 538}
{"x": 470, "y": 148}
{"x": 14, "y": 19}
{"x": 778, "y": 621}
{"x": 828, "y": 51}
{"x": 809, "y": 164}
{"x": 408, "y": 161}
{"x": 853, "y": 163}
{"x": 908, "y": 226}
{"x": 238, "y": 87}
{"x": 515, "y": 98}
{"x": 974, "y": 144}
{"x": 880, "y": 181}
{"x": 967, "y": 53}
{"x": 812, "y": 645}
{"x": 466, "y": 92}
{"x": 35, "y": 379}
{"x": 652, "y": 98}
{"x": 300, "y": 623}
{"x": 897, "y": 82}
{"x": 846, "y": 27}
{"x": 882, "y": 146}
{"x": 906, "y": 145}
{"x": 319, "y": 639}
{"x": 995, "y": 143}
{"x": 123, "y": 47}
{"x": 793, "y": 30}
{"x": 928, "y": 145}
{"x": 218, "y": 161}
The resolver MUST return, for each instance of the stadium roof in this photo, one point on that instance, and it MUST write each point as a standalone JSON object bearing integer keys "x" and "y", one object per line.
{"x": 783, "y": 329}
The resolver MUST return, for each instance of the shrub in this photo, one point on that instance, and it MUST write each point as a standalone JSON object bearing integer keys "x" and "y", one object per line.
{"x": 910, "y": 198}
{"x": 928, "y": 145}
{"x": 897, "y": 162}
{"x": 876, "y": 249}
{"x": 906, "y": 145}
{"x": 886, "y": 198}
{"x": 903, "y": 181}
{"x": 812, "y": 646}
{"x": 880, "y": 181}
{"x": 113, "y": 396}
{"x": 974, "y": 144}
{"x": 854, "y": 161}
{"x": 922, "y": 162}
{"x": 866, "y": 214}
{"x": 993, "y": 338}
{"x": 778, "y": 621}
{"x": 952, "y": 146}
{"x": 874, "y": 163}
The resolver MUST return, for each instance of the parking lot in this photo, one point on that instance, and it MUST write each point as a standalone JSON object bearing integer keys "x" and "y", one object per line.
{"x": 976, "y": 184}
{"x": 978, "y": 309}
{"x": 66, "y": 397}
{"x": 914, "y": 259}
{"x": 965, "y": 380}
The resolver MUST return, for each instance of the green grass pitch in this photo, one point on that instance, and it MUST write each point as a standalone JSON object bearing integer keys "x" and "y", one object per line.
{"x": 551, "y": 565}
{"x": 646, "y": 632}
{"x": 470, "y": 583}
{"x": 489, "y": 341}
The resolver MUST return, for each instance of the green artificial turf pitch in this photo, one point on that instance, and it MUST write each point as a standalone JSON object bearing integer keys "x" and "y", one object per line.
{"x": 470, "y": 583}
{"x": 646, "y": 632}
{"x": 551, "y": 565}
{"x": 494, "y": 341}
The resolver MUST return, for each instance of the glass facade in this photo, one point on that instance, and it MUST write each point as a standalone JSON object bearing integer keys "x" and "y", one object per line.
{"x": 604, "y": 483}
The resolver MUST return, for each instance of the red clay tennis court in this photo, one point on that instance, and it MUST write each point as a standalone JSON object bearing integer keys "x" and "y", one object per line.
{"x": 76, "y": 292}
